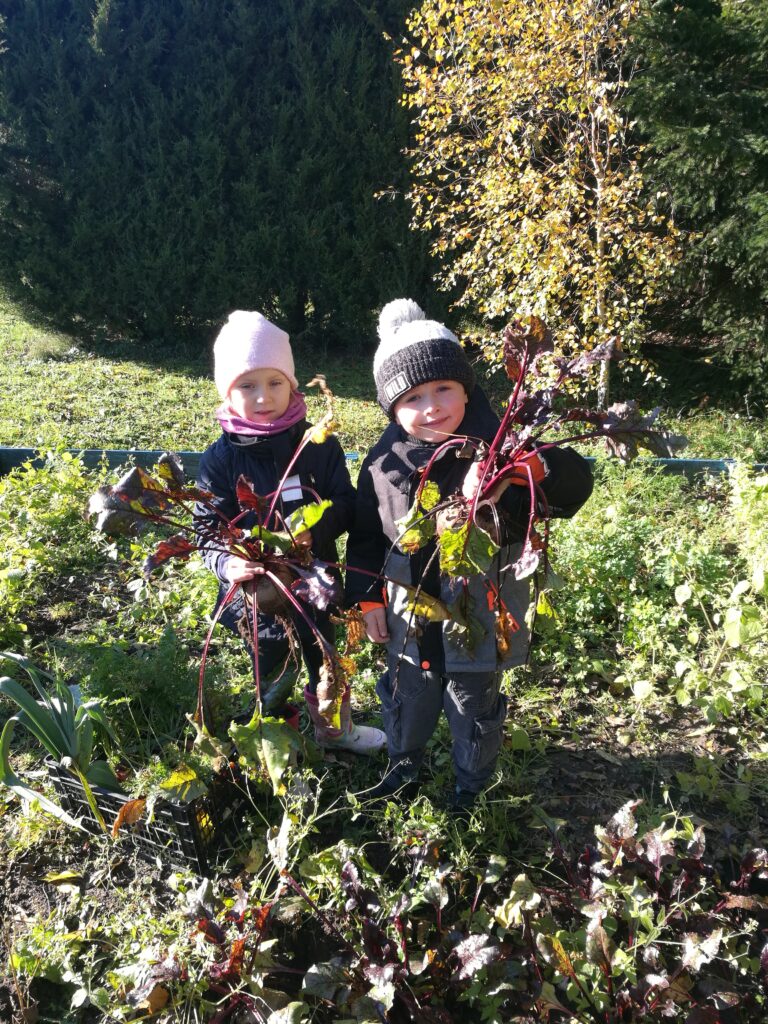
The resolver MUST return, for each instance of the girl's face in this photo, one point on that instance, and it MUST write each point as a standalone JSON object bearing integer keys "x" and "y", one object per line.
{"x": 432, "y": 411}
{"x": 261, "y": 395}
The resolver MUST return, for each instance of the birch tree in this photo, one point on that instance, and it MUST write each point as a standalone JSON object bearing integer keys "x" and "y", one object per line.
{"x": 525, "y": 168}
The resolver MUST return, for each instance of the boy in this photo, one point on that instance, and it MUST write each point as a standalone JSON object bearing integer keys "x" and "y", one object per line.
{"x": 427, "y": 387}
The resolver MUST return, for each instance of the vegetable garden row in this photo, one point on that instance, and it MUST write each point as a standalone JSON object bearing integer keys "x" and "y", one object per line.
{"x": 613, "y": 871}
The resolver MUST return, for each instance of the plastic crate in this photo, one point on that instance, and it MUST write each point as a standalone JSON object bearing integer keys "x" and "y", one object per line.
{"x": 187, "y": 835}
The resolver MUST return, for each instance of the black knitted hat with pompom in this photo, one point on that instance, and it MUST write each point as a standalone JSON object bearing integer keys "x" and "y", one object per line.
{"x": 413, "y": 351}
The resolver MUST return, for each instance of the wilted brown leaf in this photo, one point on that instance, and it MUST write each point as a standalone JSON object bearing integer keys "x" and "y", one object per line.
{"x": 131, "y": 812}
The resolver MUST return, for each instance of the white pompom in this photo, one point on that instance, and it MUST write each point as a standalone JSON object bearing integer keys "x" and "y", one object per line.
{"x": 397, "y": 313}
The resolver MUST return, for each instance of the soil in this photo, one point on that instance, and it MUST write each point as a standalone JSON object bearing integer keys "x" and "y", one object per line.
{"x": 586, "y": 775}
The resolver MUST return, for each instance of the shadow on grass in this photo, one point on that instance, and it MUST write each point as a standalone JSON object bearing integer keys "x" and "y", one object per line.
{"x": 691, "y": 376}
{"x": 556, "y": 784}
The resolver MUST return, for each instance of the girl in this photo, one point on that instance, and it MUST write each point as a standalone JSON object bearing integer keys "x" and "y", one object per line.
{"x": 263, "y": 420}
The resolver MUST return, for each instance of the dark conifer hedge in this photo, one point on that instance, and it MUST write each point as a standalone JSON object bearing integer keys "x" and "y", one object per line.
{"x": 700, "y": 97}
{"x": 162, "y": 163}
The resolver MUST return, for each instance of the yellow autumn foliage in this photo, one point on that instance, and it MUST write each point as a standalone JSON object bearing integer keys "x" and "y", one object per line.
{"x": 525, "y": 167}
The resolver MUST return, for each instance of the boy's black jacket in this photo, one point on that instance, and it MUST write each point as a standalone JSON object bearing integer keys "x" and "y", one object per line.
{"x": 391, "y": 472}
{"x": 321, "y": 467}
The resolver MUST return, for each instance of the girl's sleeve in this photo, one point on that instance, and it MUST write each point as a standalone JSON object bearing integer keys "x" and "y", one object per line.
{"x": 336, "y": 486}
{"x": 213, "y": 476}
{"x": 367, "y": 545}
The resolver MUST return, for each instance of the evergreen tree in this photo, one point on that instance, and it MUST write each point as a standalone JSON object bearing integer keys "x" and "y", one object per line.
{"x": 700, "y": 96}
{"x": 161, "y": 164}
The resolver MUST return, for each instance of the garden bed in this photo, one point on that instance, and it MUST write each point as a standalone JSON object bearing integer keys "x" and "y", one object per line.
{"x": 636, "y": 692}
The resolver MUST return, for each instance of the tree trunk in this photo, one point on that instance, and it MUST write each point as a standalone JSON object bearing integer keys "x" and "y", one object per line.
{"x": 604, "y": 380}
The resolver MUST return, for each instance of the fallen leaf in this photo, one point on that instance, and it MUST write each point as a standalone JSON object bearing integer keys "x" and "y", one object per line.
{"x": 59, "y": 877}
{"x": 129, "y": 814}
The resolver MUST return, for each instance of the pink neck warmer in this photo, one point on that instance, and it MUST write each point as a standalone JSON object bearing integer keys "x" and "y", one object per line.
{"x": 231, "y": 423}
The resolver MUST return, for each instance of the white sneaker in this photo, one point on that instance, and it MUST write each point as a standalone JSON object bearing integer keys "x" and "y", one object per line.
{"x": 360, "y": 739}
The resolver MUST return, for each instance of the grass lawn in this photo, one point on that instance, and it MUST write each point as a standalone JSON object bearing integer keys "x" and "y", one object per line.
{"x": 61, "y": 391}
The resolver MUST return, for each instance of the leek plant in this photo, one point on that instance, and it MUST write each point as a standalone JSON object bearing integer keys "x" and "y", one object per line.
{"x": 67, "y": 729}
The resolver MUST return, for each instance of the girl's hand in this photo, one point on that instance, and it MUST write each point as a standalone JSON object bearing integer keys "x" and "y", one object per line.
{"x": 240, "y": 570}
{"x": 375, "y": 622}
{"x": 303, "y": 539}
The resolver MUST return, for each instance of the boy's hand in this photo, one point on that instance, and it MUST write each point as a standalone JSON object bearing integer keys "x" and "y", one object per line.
{"x": 375, "y": 622}
{"x": 530, "y": 461}
{"x": 240, "y": 570}
{"x": 472, "y": 482}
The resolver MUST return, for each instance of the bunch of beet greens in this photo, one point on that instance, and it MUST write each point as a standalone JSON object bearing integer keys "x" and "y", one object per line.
{"x": 292, "y": 579}
{"x": 537, "y": 418}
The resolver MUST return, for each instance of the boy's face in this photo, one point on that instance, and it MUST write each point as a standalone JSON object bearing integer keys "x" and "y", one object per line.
{"x": 261, "y": 395}
{"x": 432, "y": 411}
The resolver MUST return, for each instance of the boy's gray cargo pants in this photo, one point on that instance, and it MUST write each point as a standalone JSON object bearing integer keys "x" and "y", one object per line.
{"x": 412, "y": 699}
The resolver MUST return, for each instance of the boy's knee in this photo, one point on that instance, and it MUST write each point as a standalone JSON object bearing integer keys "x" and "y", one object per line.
{"x": 472, "y": 696}
{"x": 411, "y": 702}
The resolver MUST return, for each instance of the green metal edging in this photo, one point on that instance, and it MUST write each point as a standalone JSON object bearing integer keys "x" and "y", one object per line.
{"x": 10, "y": 458}
{"x": 693, "y": 467}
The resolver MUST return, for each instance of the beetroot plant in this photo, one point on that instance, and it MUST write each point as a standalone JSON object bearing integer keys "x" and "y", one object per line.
{"x": 466, "y": 526}
{"x": 537, "y": 418}
{"x": 638, "y": 926}
{"x": 291, "y": 580}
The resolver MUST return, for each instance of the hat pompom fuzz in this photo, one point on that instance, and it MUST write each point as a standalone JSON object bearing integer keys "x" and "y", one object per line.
{"x": 397, "y": 313}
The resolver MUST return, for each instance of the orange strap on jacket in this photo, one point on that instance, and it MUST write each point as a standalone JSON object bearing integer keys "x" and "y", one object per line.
{"x": 494, "y": 597}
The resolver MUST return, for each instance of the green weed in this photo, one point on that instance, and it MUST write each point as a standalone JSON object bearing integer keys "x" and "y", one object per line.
{"x": 663, "y": 585}
{"x": 44, "y": 542}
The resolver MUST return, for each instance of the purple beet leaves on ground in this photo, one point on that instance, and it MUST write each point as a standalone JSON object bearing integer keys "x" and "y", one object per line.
{"x": 635, "y": 927}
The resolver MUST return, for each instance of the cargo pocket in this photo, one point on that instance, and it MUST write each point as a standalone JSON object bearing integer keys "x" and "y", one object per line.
{"x": 407, "y": 681}
{"x": 391, "y": 712}
{"x": 412, "y": 701}
{"x": 475, "y": 696}
{"x": 487, "y": 738}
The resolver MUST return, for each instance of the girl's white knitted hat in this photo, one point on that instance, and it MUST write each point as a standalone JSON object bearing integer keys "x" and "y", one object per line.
{"x": 248, "y": 341}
